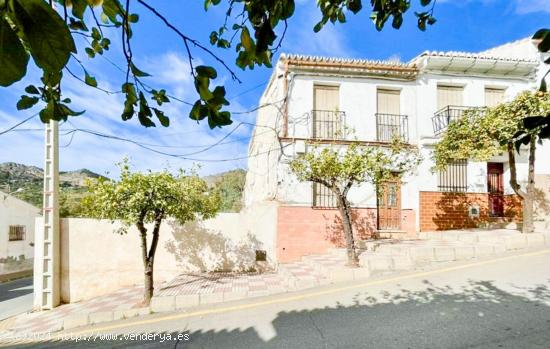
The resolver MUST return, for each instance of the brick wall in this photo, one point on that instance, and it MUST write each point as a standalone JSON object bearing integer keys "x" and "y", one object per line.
{"x": 304, "y": 231}
{"x": 444, "y": 211}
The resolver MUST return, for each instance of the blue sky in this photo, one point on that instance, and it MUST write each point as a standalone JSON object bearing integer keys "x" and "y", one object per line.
{"x": 463, "y": 25}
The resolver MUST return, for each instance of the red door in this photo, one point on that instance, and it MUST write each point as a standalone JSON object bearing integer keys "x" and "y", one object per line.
{"x": 495, "y": 187}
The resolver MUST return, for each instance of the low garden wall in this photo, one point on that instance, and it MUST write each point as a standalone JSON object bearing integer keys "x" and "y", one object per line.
{"x": 95, "y": 260}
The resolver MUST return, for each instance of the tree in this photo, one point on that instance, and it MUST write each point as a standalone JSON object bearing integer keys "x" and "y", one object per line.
{"x": 52, "y": 37}
{"x": 230, "y": 187}
{"x": 149, "y": 198}
{"x": 340, "y": 169}
{"x": 539, "y": 124}
{"x": 481, "y": 134}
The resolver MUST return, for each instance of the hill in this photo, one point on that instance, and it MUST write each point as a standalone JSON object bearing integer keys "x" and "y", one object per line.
{"x": 28, "y": 179}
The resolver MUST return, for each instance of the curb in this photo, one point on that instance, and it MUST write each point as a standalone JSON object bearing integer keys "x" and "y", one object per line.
{"x": 15, "y": 275}
{"x": 161, "y": 304}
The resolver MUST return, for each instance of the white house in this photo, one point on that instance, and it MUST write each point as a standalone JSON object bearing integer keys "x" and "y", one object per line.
{"x": 314, "y": 98}
{"x": 16, "y": 227}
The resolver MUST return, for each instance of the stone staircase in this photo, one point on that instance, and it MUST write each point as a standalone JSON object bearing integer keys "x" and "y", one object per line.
{"x": 389, "y": 255}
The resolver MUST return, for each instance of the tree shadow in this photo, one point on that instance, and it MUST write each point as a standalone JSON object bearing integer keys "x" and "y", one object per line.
{"x": 478, "y": 314}
{"x": 198, "y": 249}
{"x": 363, "y": 222}
{"x": 451, "y": 210}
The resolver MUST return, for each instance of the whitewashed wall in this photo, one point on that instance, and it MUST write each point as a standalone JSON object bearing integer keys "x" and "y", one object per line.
{"x": 16, "y": 212}
{"x": 95, "y": 260}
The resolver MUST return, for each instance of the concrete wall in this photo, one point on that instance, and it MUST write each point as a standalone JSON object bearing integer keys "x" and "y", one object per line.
{"x": 95, "y": 260}
{"x": 16, "y": 212}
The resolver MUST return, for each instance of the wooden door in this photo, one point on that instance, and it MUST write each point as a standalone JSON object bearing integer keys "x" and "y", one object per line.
{"x": 495, "y": 187}
{"x": 389, "y": 206}
{"x": 449, "y": 95}
{"x": 326, "y": 119}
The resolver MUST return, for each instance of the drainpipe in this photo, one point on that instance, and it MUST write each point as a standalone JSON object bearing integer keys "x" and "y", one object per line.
{"x": 285, "y": 109}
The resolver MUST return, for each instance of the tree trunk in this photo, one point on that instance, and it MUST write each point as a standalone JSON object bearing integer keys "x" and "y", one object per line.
{"x": 344, "y": 209}
{"x": 528, "y": 201}
{"x": 527, "y": 196}
{"x": 149, "y": 258}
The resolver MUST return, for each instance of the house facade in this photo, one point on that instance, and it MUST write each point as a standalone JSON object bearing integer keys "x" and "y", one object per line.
{"x": 317, "y": 100}
{"x": 16, "y": 227}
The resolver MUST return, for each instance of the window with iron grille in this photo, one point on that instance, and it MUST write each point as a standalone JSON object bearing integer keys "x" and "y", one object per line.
{"x": 454, "y": 178}
{"x": 17, "y": 233}
{"x": 323, "y": 197}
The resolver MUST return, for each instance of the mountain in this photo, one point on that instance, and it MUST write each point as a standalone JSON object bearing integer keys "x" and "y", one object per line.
{"x": 29, "y": 179}
{"x": 230, "y": 185}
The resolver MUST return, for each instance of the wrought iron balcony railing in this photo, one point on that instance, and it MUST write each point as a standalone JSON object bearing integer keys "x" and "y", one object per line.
{"x": 444, "y": 116}
{"x": 329, "y": 124}
{"x": 391, "y": 126}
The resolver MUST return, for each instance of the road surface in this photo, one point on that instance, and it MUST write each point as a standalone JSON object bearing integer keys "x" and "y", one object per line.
{"x": 497, "y": 303}
{"x": 15, "y": 297}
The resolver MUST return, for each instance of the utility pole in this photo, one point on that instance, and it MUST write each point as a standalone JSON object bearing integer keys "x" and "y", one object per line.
{"x": 51, "y": 273}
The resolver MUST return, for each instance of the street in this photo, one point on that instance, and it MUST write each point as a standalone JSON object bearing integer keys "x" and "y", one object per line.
{"x": 497, "y": 303}
{"x": 15, "y": 297}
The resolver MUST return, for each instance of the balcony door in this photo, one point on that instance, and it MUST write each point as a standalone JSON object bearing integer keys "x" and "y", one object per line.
{"x": 388, "y": 118}
{"x": 449, "y": 95}
{"x": 327, "y": 123}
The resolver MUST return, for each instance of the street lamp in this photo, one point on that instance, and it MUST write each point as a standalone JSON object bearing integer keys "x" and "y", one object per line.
{"x": 18, "y": 190}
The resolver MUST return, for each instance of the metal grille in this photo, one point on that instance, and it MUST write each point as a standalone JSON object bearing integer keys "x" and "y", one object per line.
{"x": 17, "y": 233}
{"x": 454, "y": 177}
{"x": 328, "y": 124}
{"x": 323, "y": 197}
{"x": 390, "y": 126}
{"x": 443, "y": 117}
{"x": 495, "y": 181}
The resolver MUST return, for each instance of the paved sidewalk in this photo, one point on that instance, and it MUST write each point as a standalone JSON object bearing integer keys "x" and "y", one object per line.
{"x": 124, "y": 300}
{"x": 189, "y": 290}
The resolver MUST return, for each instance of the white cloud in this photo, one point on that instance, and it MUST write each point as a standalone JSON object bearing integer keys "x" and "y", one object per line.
{"x": 184, "y": 136}
{"x": 532, "y": 6}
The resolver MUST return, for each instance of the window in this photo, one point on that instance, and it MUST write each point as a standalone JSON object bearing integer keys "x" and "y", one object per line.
{"x": 449, "y": 96}
{"x": 323, "y": 197}
{"x": 493, "y": 96}
{"x": 454, "y": 177}
{"x": 327, "y": 119}
{"x": 17, "y": 233}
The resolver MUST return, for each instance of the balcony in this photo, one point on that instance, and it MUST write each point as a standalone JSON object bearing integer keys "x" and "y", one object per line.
{"x": 328, "y": 124}
{"x": 444, "y": 116}
{"x": 391, "y": 126}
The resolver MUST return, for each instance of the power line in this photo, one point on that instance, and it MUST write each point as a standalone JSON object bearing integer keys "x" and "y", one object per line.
{"x": 18, "y": 124}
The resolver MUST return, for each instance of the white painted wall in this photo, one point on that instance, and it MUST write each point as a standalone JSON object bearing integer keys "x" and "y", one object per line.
{"x": 16, "y": 212}
{"x": 95, "y": 260}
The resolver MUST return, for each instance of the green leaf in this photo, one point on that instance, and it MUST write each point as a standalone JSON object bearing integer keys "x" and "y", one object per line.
{"x": 137, "y": 72}
{"x": 78, "y": 8}
{"x": 31, "y": 89}
{"x": 66, "y": 111}
{"x": 246, "y": 40}
{"x": 47, "y": 34}
{"x": 13, "y": 57}
{"x": 425, "y": 2}
{"x": 133, "y": 18}
{"x": 206, "y": 71}
{"x": 164, "y": 121}
{"x": 26, "y": 102}
{"x": 89, "y": 80}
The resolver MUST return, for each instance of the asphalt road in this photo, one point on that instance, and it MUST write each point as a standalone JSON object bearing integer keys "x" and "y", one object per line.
{"x": 15, "y": 297}
{"x": 499, "y": 303}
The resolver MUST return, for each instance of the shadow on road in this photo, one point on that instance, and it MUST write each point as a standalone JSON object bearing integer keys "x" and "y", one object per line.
{"x": 478, "y": 315}
{"x": 14, "y": 289}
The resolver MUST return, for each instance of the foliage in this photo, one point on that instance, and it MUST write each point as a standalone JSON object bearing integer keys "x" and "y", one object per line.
{"x": 354, "y": 165}
{"x": 230, "y": 186}
{"x": 32, "y": 28}
{"x": 148, "y": 197}
{"x": 481, "y": 134}
{"x": 537, "y": 123}
{"x": 339, "y": 169}
{"x": 142, "y": 198}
